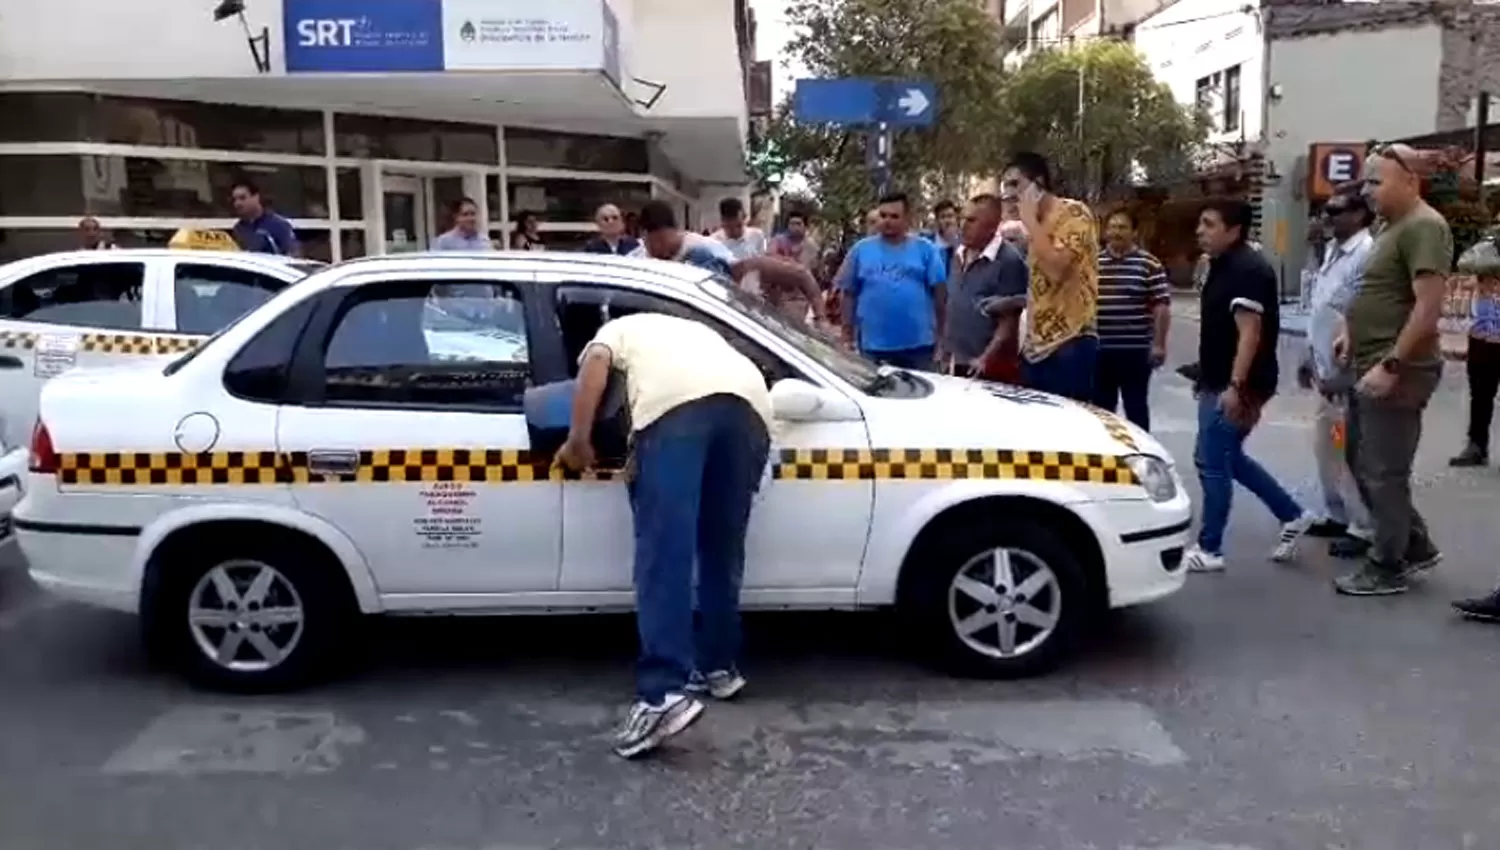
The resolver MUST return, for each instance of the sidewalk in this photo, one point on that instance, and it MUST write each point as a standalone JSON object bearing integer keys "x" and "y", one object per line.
{"x": 1294, "y": 323}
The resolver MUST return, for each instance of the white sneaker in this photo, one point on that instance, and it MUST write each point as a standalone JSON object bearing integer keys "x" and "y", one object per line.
{"x": 1200, "y": 561}
{"x": 1286, "y": 544}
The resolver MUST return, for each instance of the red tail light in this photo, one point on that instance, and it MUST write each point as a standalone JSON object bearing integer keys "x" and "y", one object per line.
{"x": 43, "y": 456}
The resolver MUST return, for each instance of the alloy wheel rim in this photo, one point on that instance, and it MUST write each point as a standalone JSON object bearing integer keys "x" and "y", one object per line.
{"x": 245, "y": 616}
{"x": 1004, "y": 603}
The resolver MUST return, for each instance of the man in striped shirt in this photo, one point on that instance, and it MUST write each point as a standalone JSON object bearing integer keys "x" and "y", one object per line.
{"x": 1135, "y": 308}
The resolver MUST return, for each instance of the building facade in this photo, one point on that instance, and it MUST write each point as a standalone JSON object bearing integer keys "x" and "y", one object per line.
{"x": 362, "y": 119}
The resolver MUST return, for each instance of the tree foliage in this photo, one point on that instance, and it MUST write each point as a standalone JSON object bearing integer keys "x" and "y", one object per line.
{"x": 1097, "y": 112}
{"x": 951, "y": 42}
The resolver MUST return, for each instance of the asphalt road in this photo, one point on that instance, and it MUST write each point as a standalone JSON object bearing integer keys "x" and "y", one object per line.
{"x": 1255, "y": 710}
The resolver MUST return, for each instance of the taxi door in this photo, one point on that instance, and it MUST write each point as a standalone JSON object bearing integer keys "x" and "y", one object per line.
{"x": 405, "y": 429}
{"x": 807, "y": 537}
{"x": 62, "y": 311}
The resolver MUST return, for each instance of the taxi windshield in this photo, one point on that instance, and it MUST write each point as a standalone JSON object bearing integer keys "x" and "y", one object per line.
{"x": 848, "y": 365}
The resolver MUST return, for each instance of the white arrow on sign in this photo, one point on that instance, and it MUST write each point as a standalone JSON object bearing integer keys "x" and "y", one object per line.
{"x": 914, "y": 102}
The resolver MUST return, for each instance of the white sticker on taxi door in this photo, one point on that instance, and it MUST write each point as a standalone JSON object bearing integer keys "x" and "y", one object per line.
{"x": 55, "y": 354}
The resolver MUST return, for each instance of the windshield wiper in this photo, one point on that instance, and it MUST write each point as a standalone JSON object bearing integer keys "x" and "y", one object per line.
{"x": 886, "y": 380}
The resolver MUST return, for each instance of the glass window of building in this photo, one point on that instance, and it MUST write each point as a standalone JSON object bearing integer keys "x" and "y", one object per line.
{"x": 573, "y": 200}
{"x": 378, "y": 137}
{"x": 81, "y": 117}
{"x": 529, "y": 148}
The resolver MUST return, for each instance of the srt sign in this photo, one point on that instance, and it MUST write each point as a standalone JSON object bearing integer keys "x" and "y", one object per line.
{"x": 326, "y": 32}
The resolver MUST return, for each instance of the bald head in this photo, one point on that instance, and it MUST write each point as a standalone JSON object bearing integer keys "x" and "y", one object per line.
{"x": 1393, "y": 179}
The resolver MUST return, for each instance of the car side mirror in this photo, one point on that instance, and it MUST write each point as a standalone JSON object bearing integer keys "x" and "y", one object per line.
{"x": 796, "y": 400}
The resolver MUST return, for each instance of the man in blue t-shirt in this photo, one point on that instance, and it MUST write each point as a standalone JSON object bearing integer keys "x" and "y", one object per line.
{"x": 259, "y": 230}
{"x": 894, "y": 298}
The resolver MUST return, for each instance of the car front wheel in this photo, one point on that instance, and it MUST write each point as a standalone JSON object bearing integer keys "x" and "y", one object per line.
{"x": 265, "y": 618}
{"x": 1004, "y": 602}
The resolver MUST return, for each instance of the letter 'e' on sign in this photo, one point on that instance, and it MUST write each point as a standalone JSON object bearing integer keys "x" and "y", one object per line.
{"x": 1331, "y": 165}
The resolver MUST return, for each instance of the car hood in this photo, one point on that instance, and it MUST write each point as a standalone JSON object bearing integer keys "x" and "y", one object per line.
{"x": 962, "y": 413}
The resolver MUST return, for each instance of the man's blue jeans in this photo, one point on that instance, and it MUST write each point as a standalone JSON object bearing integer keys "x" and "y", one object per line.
{"x": 1221, "y": 460}
{"x": 695, "y": 474}
{"x": 916, "y": 359}
{"x": 1068, "y": 371}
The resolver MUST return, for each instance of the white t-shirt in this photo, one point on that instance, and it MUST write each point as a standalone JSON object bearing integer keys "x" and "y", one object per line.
{"x": 669, "y": 362}
{"x": 752, "y": 243}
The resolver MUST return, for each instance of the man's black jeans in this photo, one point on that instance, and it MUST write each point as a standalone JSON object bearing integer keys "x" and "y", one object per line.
{"x": 1122, "y": 376}
{"x": 1483, "y": 366}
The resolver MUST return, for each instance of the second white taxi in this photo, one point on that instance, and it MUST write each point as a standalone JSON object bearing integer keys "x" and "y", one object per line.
{"x": 358, "y": 446}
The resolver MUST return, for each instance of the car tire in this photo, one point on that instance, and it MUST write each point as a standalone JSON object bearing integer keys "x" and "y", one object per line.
{"x": 966, "y": 636}
{"x": 305, "y": 612}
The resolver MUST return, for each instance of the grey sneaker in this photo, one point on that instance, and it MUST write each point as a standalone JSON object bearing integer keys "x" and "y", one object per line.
{"x": 1423, "y": 564}
{"x": 1372, "y": 580}
{"x": 720, "y": 684}
{"x": 647, "y": 725}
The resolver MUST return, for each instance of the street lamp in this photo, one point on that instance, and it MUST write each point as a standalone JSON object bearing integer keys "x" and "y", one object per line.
{"x": 260, "y": 45}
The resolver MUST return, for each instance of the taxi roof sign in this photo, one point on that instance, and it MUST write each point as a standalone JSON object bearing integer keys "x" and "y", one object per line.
{"x": 203, "y": 240}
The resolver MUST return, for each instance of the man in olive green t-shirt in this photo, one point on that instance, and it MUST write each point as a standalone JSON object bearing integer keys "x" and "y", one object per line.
{"x": 1391, "y": 337}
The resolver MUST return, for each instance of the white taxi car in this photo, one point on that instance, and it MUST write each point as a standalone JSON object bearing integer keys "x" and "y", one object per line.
{"x": 94, "y": 308}
{"x": 358, "y": 446}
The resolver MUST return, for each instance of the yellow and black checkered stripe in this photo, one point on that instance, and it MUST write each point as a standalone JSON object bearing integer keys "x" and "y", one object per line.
{"x": 505, "y": 466}
{"x": 1116, "y": 427}
{"x": 110, "y": 343}
{"x": 949, "y": 464}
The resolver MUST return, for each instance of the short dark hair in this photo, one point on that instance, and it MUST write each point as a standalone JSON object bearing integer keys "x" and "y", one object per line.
{"x": 458, "y": 205}
{"x": 657, "y": 215}
{"x": 520, "y": 217}
{"x": 796, "y": 214}
{"x": 1127, "y": 214}
{"x": 1034, "y": 166}
{"x": 993, "y": 202}
{"x": 894, "y": 198}
{"x": 731, "y": 207}
{"x": 944, "y": 206}
{"x": 245, "y": 183}
{"x": 1233, "y": 212}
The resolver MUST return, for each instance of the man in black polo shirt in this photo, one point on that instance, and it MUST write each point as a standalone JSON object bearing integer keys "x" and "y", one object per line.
{"x": 1241, "y": 322}
{"x": 984, "y": 271}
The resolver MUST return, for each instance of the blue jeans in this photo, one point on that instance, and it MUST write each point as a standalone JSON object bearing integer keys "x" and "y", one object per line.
{"x": 1068, "y": 371}
{"x": 919, "y": 359}
{"x": 1122, "y": 376}
{"x": 1221, "y": 460}
{"x": 696, "y": 471}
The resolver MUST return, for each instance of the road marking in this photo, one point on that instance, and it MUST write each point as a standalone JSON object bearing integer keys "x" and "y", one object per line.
{"x": 192, "y": 740}
{"x": 918, "y": 734}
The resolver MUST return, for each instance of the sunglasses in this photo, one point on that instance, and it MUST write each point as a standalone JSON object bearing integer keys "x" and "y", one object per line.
{"x": 1392, "y": 153}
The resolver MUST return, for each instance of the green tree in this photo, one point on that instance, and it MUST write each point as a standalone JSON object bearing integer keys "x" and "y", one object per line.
{"x": 1097, "y": 113}
{"x": 953, "y": 43}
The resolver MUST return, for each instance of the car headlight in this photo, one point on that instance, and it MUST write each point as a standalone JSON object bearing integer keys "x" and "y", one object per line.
{"x": 1155, "y": 475}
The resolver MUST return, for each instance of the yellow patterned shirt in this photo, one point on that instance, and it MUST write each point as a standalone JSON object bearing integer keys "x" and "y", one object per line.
{"x": 1059, "y": 310}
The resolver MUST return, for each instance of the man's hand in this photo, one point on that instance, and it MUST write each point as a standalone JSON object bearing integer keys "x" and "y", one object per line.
{"x": 1341, "y": 346}
{"x": 1158, "y": 355}
{"x": 976, "y": 366}
{"x": 577, "y": 454}
{"x": 1234, "y": 407}
{"x": 1378, "y": 382}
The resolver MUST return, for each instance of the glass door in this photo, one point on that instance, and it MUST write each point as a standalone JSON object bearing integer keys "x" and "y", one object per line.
{"x": 406, "y": 225}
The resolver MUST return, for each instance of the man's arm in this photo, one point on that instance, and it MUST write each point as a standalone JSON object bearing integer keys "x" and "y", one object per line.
{"x": 1428, "y": 253}
{"x": 1007, "y": 302}
{"x": 778, "y": 271}
{"x": 937, "y": 283}
{"x": 286, "y": 238}
{"x": 593, "y": 377}
{"x": 1159, "y": 294}
{"x": 1247, "y": 321}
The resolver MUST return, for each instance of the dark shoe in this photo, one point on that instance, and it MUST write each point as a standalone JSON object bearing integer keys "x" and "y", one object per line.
{"x": 1349, "y": 547}
{"x": 1372, "y": 579}
{"x": 1485, "y": 608}
{"x": 1472, "y": 455}
{"x": 1422, "y": 563}
{"x": 1327, "y": 528}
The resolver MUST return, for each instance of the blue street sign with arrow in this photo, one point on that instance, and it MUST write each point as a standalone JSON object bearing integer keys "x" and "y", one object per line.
{"x": 865, "y": 100}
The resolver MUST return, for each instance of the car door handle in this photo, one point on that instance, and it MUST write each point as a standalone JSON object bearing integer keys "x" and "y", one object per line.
{"x": 333, "y": 461}
{"x": 10, "y": 361}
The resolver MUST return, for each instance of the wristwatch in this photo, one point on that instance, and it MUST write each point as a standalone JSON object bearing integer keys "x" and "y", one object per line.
{"x": 1391, "y": 364}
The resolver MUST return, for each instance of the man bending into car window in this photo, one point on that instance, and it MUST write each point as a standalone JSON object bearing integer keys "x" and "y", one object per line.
{"x": 663, "y": 239}
{"x": 700, "y": 415}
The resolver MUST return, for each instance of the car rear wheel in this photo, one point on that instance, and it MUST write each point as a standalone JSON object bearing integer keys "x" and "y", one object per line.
{"x": 1005, "y": 602}
{"x": 266, "y": 616}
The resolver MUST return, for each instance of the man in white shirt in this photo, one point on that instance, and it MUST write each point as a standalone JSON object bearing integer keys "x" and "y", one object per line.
{"x": 1333, "y": 286}
{"x": 701, "y": 417}
{"x": 743, "y": 242}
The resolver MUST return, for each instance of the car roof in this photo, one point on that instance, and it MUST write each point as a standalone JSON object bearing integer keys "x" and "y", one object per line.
{"x": 166, "y": 253}
{"x": 681, "y": 274}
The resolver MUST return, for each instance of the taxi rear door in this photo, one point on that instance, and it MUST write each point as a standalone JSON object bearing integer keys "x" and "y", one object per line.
{"x": 63, "y": 311}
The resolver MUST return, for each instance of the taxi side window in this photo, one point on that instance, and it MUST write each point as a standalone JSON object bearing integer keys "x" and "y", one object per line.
{"x": 210, "y": 297}
{"x": 582, "y": 310}
{"x": 96, "y": 295}
{"x": 429, "y": 345}
{"x": 260, "y": 370}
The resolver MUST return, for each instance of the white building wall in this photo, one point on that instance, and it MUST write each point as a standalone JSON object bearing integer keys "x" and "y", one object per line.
{"x": 684, "y": 44}
{"x": 1342, "y": 87}
{"x": 1192, "y": 39}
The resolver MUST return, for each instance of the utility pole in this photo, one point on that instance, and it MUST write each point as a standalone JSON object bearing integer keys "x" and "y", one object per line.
{"x": 1481, "y": 126}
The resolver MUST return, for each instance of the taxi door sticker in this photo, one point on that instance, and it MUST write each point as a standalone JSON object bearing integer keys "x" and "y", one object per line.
{"x": 55, "y": 354}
